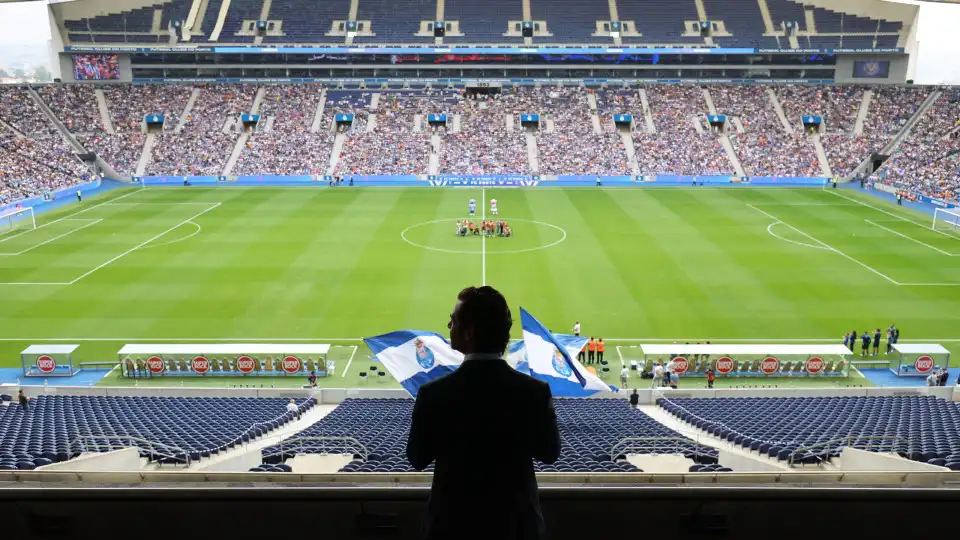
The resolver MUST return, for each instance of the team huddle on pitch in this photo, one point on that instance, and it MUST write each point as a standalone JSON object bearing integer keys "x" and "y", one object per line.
{"x": 487, "y": 227}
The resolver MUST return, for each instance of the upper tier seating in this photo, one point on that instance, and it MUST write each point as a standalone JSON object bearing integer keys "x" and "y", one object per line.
{"x": 929, "y": 427}
{"x": 48, "y": 432}
{"x": 589, "y": 429}
{"x": 568, "y": 21}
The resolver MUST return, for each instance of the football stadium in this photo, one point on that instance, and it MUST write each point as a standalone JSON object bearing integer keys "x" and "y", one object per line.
{"x": 232, "y": 233}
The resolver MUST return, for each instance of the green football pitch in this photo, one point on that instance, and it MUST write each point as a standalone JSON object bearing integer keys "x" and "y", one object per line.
{"x": 334, "y": 265}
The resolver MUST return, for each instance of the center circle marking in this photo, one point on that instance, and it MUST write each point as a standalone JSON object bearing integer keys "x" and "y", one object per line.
{"x": 403, "y": 235}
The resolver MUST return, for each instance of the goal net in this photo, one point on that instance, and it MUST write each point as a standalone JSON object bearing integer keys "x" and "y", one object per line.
{"x": 946, "y": 219}
{"x": 17, "y": 220}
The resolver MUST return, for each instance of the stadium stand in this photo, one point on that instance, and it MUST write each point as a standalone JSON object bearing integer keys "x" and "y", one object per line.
{"x": 394, "y": 147}
{"x": 395, "y": 21}
{"x": 483, "y": 22}
{"x": 570, "y": 21}
{"x": 924, "y": 429}
{"x": 926, "y": 161}
{"x": 58, "y": 428}
{"x": 589, "y": 430}
{"x": 298, "y": 27}
{"x": 34, "y": 158}
{"x": 659, "y": 21}
{"x": 136, "y": 25}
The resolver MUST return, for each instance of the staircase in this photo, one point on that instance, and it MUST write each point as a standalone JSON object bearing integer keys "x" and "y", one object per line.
{"x": 903, "y": 133}
{"x": 146, "y": 155}
{"x": 194, "y": 17}
{"x": 779, "y": 110}
{"x": 264, "y": 16}
{"x": 235, "y": 154}
{"x": 318, "y": 116}
{"x": 595, "y": 121}
{"x": 631, "y": 149}
{"x": 731, "y": 155}
{"x": 221, "y": 18}
{"x": 185, "y": 115}
{"x": 433, "y": 167}
{"x": 371, "y": 123}
{"x": 104, "y": 111}
{"x": 647, "y": 115}
{"x": 697, "y": 124}
{"x": 737, "y": 124}
{"x": 455, "y": 128}
{"x": 532, "y": 153}
{"x": 862, "y": 113}
{"x": 338, "y": 143}
{"x": 258, "y": 100}
{"x": 825, "y": 169}
{"x": 702, "y": 437}
{"x": 709, "y": 99}
{"x": 233, "y": 460}
{"x": 508, "y": 122}
{"x": 768, "y": 28}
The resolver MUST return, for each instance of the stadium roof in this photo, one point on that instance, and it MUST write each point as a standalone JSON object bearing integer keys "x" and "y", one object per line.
{"x": 920, "y": 348}
{"x": 228, "y": 349}
{"x": 50, "y": 349}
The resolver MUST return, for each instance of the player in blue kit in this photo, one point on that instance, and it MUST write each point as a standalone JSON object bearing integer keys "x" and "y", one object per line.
{"x": 473, "y": 207}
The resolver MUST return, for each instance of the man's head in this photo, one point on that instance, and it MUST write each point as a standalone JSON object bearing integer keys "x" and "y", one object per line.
{"x": 480, "y": 322}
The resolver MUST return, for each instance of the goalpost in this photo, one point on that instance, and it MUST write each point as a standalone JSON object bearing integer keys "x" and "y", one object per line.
{"x": 16, "y": 220}
{"x": 944, "y": 218}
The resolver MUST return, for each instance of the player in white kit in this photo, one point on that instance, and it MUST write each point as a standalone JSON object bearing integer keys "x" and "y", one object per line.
{"x": 493, "y": 207}
{"x": 473, "y": 207}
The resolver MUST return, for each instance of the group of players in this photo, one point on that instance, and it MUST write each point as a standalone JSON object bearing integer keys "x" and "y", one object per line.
{"x": 488, "y": 227}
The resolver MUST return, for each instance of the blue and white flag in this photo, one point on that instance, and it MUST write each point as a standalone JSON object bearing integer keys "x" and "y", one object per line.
{"x": 517, "y": 353}
{"x": 550, "y": 361}
{"x": 415, "y": 357}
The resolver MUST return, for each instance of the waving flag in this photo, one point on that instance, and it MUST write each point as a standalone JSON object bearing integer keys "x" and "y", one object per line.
{"x": 517, "y": 353}
{"x": 415, "y": 357}
{"x": 549, "y": 360}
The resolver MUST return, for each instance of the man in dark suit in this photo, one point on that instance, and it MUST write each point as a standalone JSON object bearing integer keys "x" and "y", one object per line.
{"x": 484, "y": 424}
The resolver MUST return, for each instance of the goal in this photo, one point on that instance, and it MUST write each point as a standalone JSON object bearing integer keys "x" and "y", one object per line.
{"x": 17, "y": 220}
{"x": 944, "y": 219}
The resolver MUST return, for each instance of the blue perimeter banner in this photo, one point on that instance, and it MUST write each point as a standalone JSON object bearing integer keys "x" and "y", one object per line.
{"x": 39, "y": 201}
{"x": 456, "y": 180}
{"x": 464, "y": 50}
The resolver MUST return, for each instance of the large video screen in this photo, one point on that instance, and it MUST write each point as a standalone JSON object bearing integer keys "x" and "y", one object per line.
{"x": 96, "y": 67}
{"x": 871, "y": 69}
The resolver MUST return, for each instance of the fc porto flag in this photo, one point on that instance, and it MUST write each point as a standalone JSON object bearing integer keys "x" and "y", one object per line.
{"x": 415, "y": 357}
{"x": 517, "y": 353}
{"x": 549, "y": 361}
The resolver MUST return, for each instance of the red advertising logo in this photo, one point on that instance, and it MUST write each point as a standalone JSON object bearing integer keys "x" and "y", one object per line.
{"x": 680, "y": 364}
{"x": 46, "y": 364}
{"x": 923, "y": 364}
{"x": 814, "y": 365}
{"x": 155, "y": 364}
{"x": 245, "y": 364}
{"x": 200, "y": 364}
{"x": 291, "y": 364}
{"x": 770, "y": 365}
{"x": 725, "y": 365}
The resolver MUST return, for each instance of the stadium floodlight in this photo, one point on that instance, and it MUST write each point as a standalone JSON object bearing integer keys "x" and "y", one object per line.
{"x": 18, "y": 219}
{"x": 946, "y": 219}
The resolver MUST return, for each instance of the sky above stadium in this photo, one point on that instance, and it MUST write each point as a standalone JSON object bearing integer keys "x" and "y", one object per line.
{"x": 24, "y": 23}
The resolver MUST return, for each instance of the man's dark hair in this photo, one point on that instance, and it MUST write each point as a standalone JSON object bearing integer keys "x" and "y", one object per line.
{"x": 486, "y": 311}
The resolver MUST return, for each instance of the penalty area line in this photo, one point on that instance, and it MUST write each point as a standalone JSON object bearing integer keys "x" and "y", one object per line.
{"x": 829, "y": 247}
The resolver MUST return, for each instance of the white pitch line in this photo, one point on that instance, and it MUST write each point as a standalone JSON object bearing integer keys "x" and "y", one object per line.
{"x": 775, "y": 235}
{"x": 350, "y": 361}
{"x": 912, "y": 239}
{"x": 191, "y": 235}
{"x": 92, "y": 222}
{"x": 620, "y": 354}
{"x": 138, "y": 246}
{"x": 908, "y": 220}
{"x": 483, "y": 237}
{"x": 77, "y": 213}
{"x": 833, "y": 249}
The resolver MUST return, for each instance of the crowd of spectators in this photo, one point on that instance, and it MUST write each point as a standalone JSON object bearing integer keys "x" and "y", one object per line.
{"x": 75, "y": 105}
{"x": 297, "y": 153}
{"x": 483, "y": 145}
{"x": 776, "y": 154}
{"x": 34, "y": 158}
{"x": 836, "y": 105}
{"x": 926, "y": 161}
{"x": 398, "y": 144}
{"x": 128, "y": 104}
{"x": 573, "y": 146}
{"x": 191, "y": 154}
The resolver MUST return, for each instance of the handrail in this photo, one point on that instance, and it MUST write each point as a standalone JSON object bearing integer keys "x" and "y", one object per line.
{"x": 255, "y": 424}
{"x": 91, "y": 443}
{"x": 897, "y": 438}
{"x": 638, "y": 443}
{"x": 298, "y": 444}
